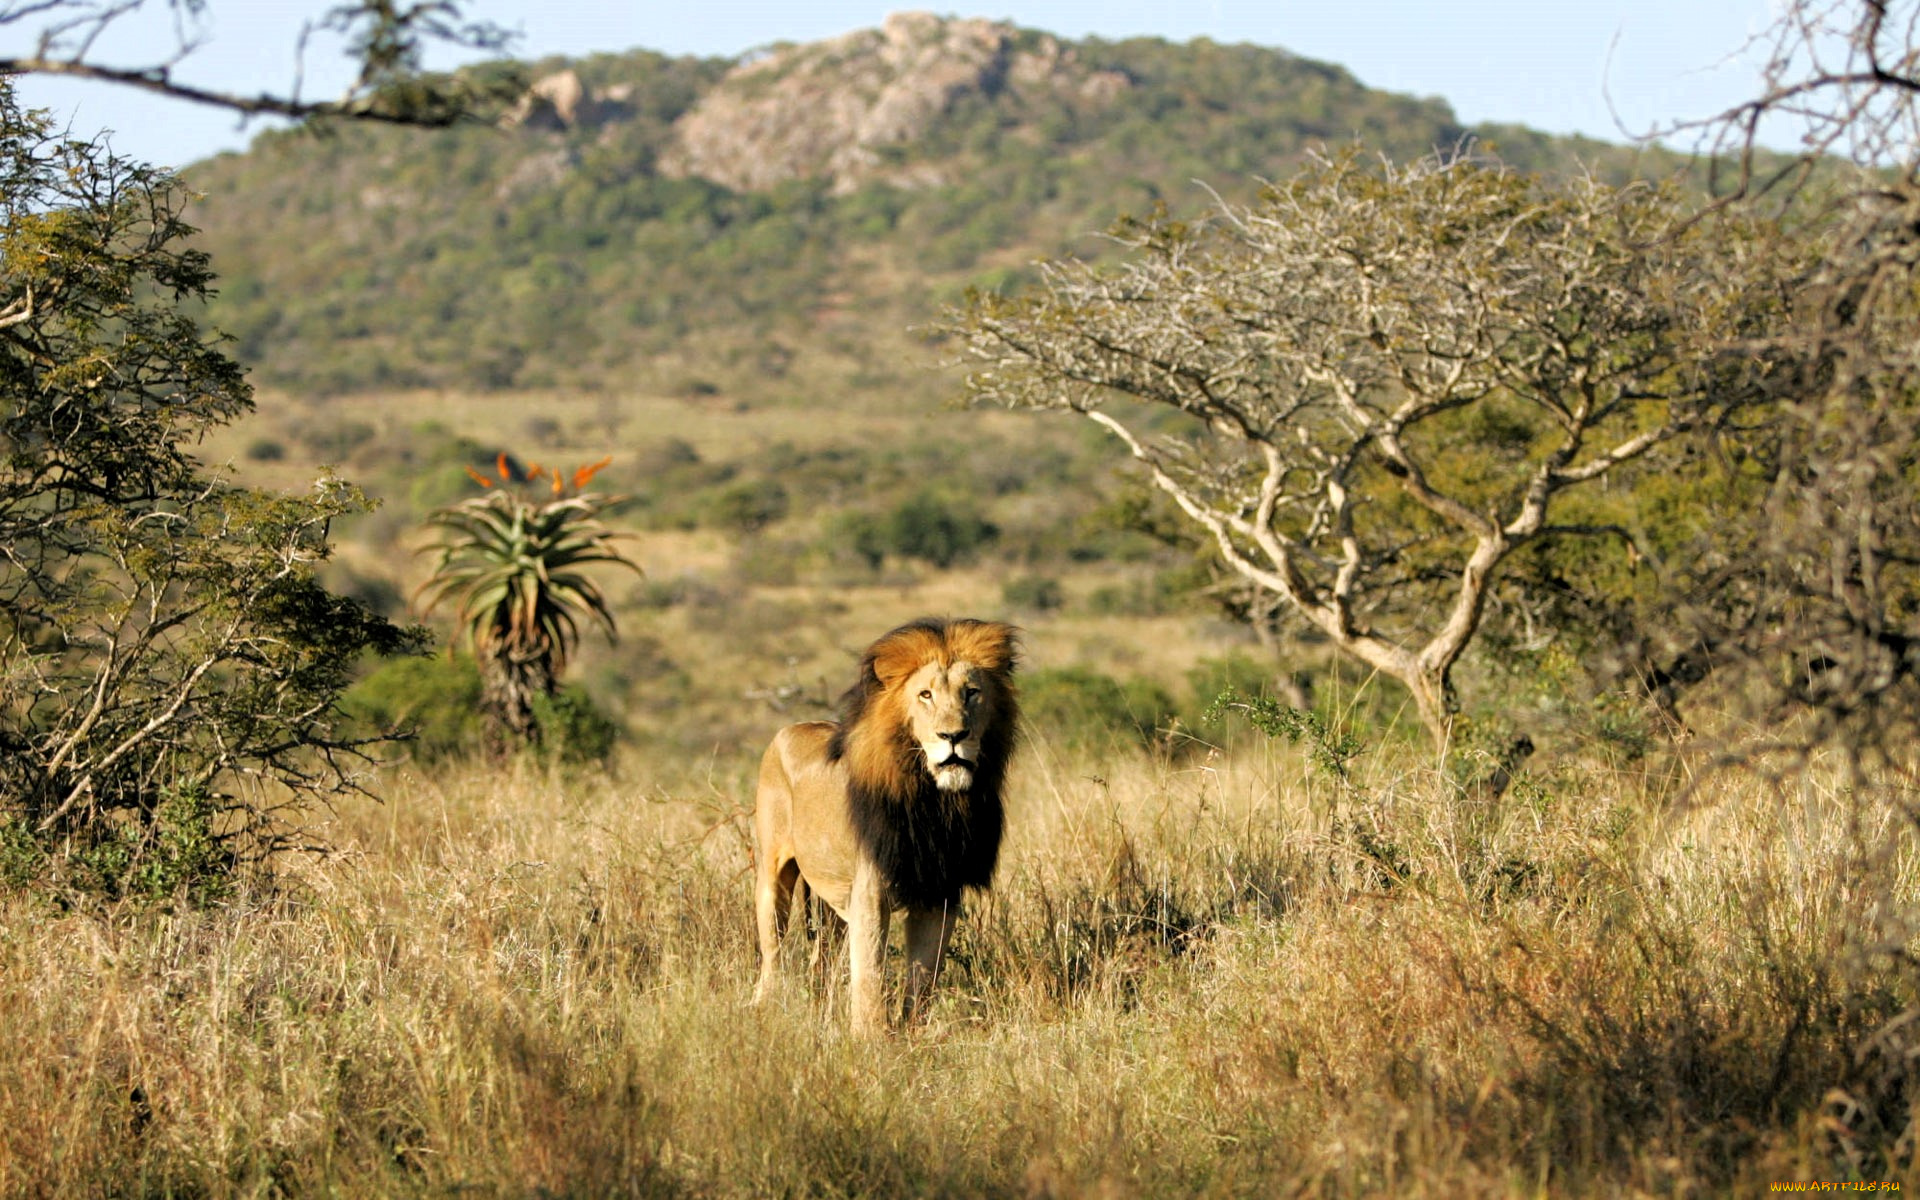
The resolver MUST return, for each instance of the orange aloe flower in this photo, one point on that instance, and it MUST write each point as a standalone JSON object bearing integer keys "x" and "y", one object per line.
{"x": 480, "y": 479}
{"x": 585, "y": 474}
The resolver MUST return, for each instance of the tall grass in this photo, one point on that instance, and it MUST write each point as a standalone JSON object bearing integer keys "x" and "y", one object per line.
{"x": 1230, "y": 976}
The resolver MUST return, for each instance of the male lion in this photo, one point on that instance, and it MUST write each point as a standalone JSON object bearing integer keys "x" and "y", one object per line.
{"x": 897, "y": 806}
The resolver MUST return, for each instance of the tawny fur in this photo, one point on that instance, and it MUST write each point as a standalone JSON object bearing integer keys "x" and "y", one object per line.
{"x": 896, "y": 807}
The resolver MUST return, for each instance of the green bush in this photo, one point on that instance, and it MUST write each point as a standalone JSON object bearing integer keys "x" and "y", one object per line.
{"x": 573, "y": 729}
{"x": 937, "y": 529}
{"x": 171, "y": 661}
{"x": 927, "y": 526}
{"x": 749, "y": 505}
{"x": 179, "y": 853}
{"x": 1087, "y": 709}
{"x": 1040, "y": 593}
{"x": 175, "y": 852}
{"x": 436, "y": 700}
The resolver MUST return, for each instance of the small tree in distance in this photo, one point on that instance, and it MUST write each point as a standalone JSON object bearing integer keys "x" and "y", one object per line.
{"x": 1375, "y": 384}
{"x": 512, "y": 564}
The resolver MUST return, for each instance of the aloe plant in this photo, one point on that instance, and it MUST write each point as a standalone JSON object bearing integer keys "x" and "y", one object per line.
{"x": 513, "y": 566}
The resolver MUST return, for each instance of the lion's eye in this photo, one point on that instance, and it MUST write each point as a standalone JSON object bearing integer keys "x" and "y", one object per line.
{"x": 972, "y": 694}
{"x": 926, "y": 693}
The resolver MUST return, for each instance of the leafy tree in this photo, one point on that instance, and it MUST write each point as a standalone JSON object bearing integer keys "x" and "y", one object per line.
{"x": 513, "y": 565}
{"x": 164, "y": 643}
{"x": 1375, "y": 384}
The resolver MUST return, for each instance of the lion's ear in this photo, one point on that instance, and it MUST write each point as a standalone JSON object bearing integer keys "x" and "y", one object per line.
{"x": 992, "y": 645}
{"x": 900, "y": 653}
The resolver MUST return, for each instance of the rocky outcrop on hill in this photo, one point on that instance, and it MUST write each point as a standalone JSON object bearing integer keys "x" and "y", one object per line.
{"x": 831, "y": 109}
{"x": 561, "y": 101}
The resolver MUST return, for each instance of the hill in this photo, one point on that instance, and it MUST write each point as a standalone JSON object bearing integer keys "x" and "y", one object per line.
{"x": 768, "y": 227}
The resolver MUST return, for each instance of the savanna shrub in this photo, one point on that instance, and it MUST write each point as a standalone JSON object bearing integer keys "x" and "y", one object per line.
{"x": 926, "y": 526}
{"x": 1040, "y": 593}
{"x": 573, "y": 729}
{"x": 170, "y": 660}
{"x": 1086, "y": 709}
{"x": 435, "y": 701}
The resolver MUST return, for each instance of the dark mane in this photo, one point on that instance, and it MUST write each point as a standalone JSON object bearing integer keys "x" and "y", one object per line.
{"x": 928, "y": 844}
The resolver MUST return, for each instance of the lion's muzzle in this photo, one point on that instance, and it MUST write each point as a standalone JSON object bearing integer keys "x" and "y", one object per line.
{"x": 949, "y": 763}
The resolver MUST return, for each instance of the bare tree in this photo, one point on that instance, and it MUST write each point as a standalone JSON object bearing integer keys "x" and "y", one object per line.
{"x": 1373, "y": 385}
{"x": 386, "y": 40}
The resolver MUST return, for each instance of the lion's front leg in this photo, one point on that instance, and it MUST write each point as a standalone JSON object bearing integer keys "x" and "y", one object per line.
{"x": 867, "y": 913}
{"x": 928, "y": 931}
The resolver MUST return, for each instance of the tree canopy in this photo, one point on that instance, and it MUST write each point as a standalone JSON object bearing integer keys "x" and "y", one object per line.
{"x": 164, "y": 640}
{"x": 1375, "y": 383}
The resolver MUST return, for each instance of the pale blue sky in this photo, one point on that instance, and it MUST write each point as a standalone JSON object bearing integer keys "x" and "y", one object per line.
{"x": 1545, "y": 64}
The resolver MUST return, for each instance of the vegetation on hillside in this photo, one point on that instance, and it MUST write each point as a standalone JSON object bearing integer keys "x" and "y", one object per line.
{"x": 540, "y": 256}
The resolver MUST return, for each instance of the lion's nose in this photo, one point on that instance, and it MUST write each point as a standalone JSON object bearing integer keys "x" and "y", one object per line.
{"x": 956, "y": 736}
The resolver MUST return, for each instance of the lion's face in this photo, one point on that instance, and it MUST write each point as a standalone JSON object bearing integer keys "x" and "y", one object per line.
{"x": 937, "y": 695}
{"x": 945, "y": 715}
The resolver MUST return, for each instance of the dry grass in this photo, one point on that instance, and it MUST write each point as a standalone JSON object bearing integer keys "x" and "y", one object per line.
{"x": 1225, "y": 977}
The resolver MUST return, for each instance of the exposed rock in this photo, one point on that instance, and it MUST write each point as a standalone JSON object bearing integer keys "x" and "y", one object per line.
{"x": 829, "y": 109}
{"x": 561, "y": 101}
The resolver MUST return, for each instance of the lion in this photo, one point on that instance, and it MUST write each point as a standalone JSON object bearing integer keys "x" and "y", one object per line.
{"x": 895, "y": 807}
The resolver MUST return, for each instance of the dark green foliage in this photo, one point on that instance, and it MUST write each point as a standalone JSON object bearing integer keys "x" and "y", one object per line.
{"x": 165, "y": 645}
{"x": 932, "y": 528}
{"x": 750, "y": 505}
{"x": 937, "y": 529}
{"x": 1084, "y": 708}
{"x": 573, "y": 729}
{"x": 179, "y": 853}
{"x": 1041, "y": 593}
{"x": 433, "y": 701}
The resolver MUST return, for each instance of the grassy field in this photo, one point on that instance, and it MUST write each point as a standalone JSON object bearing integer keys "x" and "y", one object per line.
{"x": 1228, "y": 974}
{"x": 1217, "y": 968}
